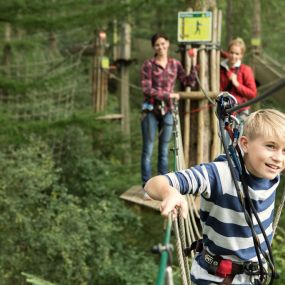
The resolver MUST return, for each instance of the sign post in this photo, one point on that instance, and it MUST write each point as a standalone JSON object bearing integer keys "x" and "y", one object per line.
{"x": 194, "y": 27}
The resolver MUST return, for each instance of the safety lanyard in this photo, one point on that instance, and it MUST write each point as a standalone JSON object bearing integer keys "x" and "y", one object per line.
{"x": 225, "y": 102}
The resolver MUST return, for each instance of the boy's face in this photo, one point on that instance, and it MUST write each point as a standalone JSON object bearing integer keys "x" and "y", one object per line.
{"x": 263, "y": 157}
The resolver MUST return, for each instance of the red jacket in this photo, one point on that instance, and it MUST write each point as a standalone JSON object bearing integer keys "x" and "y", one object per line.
{"x": 247, "y": 87}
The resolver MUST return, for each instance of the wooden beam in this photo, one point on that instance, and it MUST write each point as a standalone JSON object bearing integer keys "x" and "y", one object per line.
{"x": 111, "y": 117}
{"x": 197, "y": 95}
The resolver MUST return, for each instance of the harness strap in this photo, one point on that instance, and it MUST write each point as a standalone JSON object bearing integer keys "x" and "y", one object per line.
{"x": 228, "y": 269}
{"x": 228, "y": 280}
{"x": 221, "y": 267}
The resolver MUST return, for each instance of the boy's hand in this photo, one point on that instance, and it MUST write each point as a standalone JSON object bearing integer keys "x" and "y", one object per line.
{"x": 158, "y": 188}
{"x": 172, "y": 202}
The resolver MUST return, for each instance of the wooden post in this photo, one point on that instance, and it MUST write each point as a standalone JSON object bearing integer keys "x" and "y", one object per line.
{"x": 7, "y": 51}
{"x": 187, "y": 109}
{"x": 201, "y": 141}
{"x": 256, "y": 28}
{"x": 52, "y": 43}
{"x": 99, "y": 89}
{"x": 229, "y": 21}
{"x": 186, "y": 137}
{"x": 115, "y": 40}
{"x": 125, "y": 57}
{"x": 215, "y": 82}
{"x": 201, "y": 119}
{"x": 125, "y": 109}
{"x": 256, "y": 39}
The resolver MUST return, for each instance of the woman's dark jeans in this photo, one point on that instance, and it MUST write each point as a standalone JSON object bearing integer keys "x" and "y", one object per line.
{"x": 149, "y": 124}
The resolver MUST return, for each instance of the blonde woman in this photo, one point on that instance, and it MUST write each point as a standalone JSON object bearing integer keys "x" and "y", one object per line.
{"x": 237, "y": 78}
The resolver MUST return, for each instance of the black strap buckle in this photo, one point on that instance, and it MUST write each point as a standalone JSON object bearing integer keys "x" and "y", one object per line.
{"x": 197, "y": 246}
{"x": 251, "y": 268}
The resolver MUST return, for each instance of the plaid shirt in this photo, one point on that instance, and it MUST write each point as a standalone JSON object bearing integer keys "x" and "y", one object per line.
{"x": 157, "y": 82}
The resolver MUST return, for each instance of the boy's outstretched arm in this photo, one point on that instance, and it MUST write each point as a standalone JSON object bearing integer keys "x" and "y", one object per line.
{"x": 158, "y": 188}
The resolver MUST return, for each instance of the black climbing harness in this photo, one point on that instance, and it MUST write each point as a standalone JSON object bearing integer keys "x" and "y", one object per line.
{"x": 225, "y": 103}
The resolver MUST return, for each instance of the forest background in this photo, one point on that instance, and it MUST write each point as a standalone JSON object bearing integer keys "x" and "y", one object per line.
{"x": 62, "y": 170}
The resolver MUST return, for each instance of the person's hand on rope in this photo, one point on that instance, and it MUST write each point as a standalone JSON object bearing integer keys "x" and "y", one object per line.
{"x": 192, "y": 53}
{"x": 175, "y": 96}
{"x": 173, "y": 202}
{"x": 158, "y": 188}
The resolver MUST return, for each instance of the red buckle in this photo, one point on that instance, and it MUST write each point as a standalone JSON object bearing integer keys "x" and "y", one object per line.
{"x": 224, "y": 268}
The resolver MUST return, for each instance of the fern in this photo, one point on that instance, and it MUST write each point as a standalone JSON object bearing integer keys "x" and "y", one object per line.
{"x": 36, "y": 280}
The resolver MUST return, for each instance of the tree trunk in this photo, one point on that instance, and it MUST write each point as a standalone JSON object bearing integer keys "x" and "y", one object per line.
{"x": 256, "y": 27}
{"x": 202, "y": 134}
{"x": 229, "y": 21}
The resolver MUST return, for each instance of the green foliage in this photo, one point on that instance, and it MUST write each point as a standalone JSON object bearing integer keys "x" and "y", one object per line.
{"x": 61, "y": 217}
{"x": 70, "y": 232}
{"x": 36, "y": 280}
{"x": 51, "y": 15}
{"x": 279, "y": 254}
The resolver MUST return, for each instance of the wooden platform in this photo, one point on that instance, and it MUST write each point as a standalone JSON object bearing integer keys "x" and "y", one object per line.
{"x": 136, "y": 195}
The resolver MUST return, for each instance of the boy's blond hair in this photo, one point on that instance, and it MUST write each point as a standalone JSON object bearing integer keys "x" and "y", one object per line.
{"x": 268, "y": 123}
{"x": 238, "y": 42}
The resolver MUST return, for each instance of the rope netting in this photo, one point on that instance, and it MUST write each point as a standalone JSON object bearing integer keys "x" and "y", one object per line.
{"x": 40, "y": 73}
{"x": 38, "y": 88}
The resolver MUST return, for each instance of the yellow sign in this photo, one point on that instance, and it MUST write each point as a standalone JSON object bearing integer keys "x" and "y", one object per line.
{"x": 105, "y": 64}
{"x": 256, "y": 42}
{"x": 194, "y": 27}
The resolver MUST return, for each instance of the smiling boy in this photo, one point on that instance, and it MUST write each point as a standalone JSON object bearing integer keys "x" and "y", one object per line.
{"x": 226, "y": 234}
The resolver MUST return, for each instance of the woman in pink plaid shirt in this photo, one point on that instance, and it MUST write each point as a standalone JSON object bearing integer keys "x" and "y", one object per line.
{"x": 158, "y": 78}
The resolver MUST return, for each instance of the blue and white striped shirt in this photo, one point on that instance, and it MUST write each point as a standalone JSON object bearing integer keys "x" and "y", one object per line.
{"x": 224, "y": 228}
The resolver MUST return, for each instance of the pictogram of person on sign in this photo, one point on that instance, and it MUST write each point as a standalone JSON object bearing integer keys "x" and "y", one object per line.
{"x": 198, "y": 30}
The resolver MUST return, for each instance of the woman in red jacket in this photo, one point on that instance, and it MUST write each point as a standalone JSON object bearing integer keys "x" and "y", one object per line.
{"x": 237, "y": 78}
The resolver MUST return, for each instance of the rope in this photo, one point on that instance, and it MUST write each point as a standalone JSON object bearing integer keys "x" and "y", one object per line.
{"x": 179, "y": 230}
{"x": 188, "y": 230}
{"x": 182, "y": 263}
{"x": 203, "y": 90}
{"x": 120, "y": 80}
{"x": 279, "y": 212}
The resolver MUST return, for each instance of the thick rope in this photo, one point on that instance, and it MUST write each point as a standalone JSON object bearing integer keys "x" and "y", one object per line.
{"x": 182, "y": 231}
{"x": 180, "y": 254}
{"x": 279, "y": 212}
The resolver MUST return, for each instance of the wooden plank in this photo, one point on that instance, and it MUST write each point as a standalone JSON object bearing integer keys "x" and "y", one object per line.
{"x": 136, "y": 195}
{"x": 110, "y": 117}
